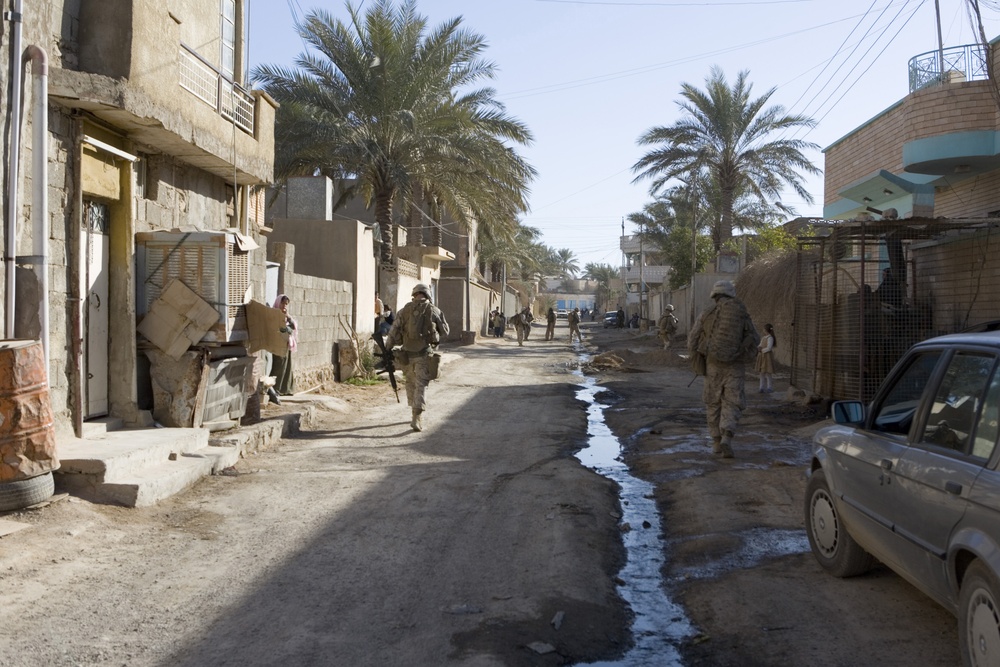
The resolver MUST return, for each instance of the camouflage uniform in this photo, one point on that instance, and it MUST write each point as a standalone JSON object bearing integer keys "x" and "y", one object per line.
{"x": 574, "y": 325}
{"x": 419, "y": 326}
{"x": 726, "y": 336}
{"x": 667, "y": 326}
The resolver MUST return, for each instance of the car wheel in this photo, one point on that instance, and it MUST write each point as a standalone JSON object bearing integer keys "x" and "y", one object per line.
{"x": 26, "y": 492}
{"x": 979, "y": 617}
{"x": 832, "y": 545}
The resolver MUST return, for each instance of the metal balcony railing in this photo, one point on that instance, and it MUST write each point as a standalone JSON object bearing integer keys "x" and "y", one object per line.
{"x": 960, "y": 63}
{"x": 227, "y": 97}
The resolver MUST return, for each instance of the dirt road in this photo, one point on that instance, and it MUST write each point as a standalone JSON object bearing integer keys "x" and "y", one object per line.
{"x": 737, "y": 558}
{"x": 362, "y": 543}
{"x": 357, "y": 543}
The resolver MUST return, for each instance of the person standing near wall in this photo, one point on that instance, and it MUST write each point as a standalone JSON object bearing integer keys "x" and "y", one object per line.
{"x": 765, "y": 360}
{"x": 550, "y": 325}
{"x": 725, "y": 336}
{"x": 281, "y": 367}
{"x": 379, "y": 310}
{"x": 418, "y": 329}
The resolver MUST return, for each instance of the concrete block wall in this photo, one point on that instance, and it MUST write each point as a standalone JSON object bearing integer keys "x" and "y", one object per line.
{"x": 321, "y": 307}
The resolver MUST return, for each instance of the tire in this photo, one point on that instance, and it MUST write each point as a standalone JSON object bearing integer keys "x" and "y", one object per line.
{"x": 979, "y": 617}
{"x": 26, "y": 492}
{"x": 829, "y": 540}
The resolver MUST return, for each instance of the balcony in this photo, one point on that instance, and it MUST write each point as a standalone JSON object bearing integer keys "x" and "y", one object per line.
{"x": 229, "y": 99}
{"x": 955, "y": 64}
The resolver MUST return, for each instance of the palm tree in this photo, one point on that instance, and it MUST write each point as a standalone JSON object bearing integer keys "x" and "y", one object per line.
{"x": 726, "y": 138}
{"x": 604, "y": 274}
{"x": 566, "y": 266}
{"x": 377, "y": 108}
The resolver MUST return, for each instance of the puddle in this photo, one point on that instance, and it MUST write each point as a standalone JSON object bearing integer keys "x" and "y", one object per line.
{"x": 659, "y": 625}
{"x": 759, "y": 545}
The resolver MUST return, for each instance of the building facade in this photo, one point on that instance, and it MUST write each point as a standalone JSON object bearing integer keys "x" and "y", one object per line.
{"x": 149, "y": 128}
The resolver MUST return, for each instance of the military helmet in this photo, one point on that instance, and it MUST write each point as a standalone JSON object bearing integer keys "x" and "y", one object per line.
{"x": 669, "y": 307}
{"x": 421, "y": 288}
{"x": 724, "y": 288}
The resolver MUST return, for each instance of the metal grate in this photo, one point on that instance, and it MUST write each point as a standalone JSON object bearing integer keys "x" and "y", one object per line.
{"x": 228, "y": 98}
{"x": 199, "y": 78}
{"x": 853, "y": 321}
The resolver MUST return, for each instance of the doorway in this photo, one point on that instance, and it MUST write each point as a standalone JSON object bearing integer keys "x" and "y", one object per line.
{"x": 96, "y": 321}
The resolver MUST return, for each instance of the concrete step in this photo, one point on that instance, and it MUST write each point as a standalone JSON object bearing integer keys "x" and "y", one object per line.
{"x": 141, "y": 488}
{"x": 95, "y": 428}
{"x": 119, "y": 454}
{"x": 138, "y": 467}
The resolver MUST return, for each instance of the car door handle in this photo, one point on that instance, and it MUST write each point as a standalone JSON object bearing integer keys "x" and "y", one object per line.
{"x": 953, "y": 487}
{"x": 886, "y": 465}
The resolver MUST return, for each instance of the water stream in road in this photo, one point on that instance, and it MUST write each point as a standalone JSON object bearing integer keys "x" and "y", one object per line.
{"x": 659, "y": 625}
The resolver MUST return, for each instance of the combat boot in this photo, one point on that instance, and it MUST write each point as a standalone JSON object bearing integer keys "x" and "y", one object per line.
{"x": 725, "y": 445}
{"x": 417, "y": 423}
{"x": 717, "y": 444}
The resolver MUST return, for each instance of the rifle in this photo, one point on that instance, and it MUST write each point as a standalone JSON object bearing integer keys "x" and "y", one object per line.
{"x": 388, "y": 365}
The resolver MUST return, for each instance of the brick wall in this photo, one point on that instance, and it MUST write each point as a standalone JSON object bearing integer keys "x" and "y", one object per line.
{"x": 960, "y": 107}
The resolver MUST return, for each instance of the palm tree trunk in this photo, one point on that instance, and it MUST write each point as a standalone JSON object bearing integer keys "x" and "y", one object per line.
{"x": 383, "y": 216}
{"x": 415, "y": 232}
{"x": 726, "y": 225}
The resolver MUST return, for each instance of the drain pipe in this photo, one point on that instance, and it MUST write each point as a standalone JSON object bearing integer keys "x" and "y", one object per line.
{"x": 13, "y": 164}
{"x": 40, "y": 185}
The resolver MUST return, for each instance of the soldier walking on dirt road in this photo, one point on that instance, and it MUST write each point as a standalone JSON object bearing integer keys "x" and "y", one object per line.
{"x": 574, "y": 325}
{"x": 418, "y": 328}
{"x": 727, "y": 339}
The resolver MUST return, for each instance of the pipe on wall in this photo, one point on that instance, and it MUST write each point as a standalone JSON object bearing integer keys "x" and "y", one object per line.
{"x": 40, "y": 186}
{"x": 13, "y": 165}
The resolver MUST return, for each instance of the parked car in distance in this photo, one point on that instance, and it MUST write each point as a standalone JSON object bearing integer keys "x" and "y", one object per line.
{"x": 562, "y": 314}
{"x": 911, "y": 480}
{"x": 610, "y": 319}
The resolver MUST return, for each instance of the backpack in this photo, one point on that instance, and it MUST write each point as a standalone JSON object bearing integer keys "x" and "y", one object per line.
{"x": 728, "y": 334}
{"x": 422, "y": 318}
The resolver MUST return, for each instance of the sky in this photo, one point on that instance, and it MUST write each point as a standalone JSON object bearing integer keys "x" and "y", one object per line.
{"x": 588, "y": 78}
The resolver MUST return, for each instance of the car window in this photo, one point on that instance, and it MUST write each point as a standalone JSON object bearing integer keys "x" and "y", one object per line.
{"x": 988, "y": 427}
{"x": 957, "y": 402}
{"x": 894, "y": 413}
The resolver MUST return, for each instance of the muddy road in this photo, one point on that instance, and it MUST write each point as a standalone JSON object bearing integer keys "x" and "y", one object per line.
{"x": 736, "y": 555}
{"x": 481, "y": 541}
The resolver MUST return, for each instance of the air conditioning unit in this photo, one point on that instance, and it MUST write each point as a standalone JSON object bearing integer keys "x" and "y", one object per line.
{"x": 209, "y": 263}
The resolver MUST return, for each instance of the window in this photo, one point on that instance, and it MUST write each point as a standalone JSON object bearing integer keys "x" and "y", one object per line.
{"x": 895, "y": 412}
{"x": 988, "y": 427}
{"x": 957, "y": 402}
{"x": 229, "y": 38}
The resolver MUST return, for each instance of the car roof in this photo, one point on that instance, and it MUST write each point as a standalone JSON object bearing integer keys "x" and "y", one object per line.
{"x": 984, "y": 338}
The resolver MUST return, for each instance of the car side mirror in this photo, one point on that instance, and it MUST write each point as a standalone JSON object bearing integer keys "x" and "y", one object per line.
{"x": 848, "y": 412}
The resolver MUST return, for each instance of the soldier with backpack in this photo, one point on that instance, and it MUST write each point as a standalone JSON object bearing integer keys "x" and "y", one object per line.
{"x": 666, "y": 327}
{"x": 417, "y": 329}
{"x": 725, "y": 339}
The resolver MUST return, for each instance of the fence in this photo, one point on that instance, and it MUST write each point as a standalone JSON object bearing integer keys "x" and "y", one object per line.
{"x": 870, "y": 290}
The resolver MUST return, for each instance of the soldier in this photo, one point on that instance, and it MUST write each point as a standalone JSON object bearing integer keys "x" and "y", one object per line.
{"x": 522, "y": 324}
{"x": 418, "y": 328}
{"x": 725, "y": 335}
{"x": 574, "y": 325}
{"x": 550, "y": 325}
{"x": 667, "y": 325}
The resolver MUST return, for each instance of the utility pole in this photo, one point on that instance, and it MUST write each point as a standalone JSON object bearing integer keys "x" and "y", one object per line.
{"x": 642, "y": 281}
{"x": 937, "y": 13}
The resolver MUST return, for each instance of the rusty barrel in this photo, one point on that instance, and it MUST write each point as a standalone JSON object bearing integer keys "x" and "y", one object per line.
{"x": 27, "y": 432}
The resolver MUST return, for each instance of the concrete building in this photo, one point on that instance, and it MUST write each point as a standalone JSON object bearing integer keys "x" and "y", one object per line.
{"x": 916, "y": 187}
{"x": 645, "y": 276}
{"x": 149, "y": 128}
